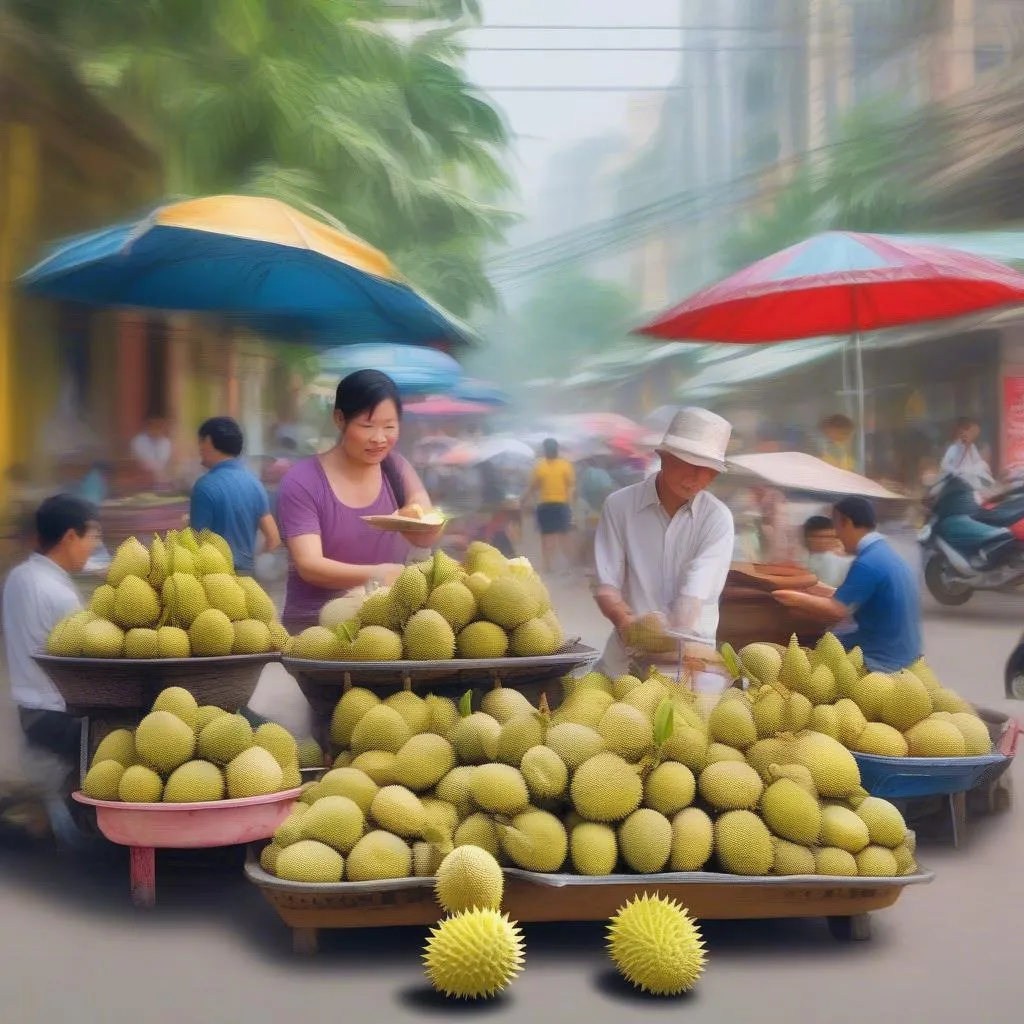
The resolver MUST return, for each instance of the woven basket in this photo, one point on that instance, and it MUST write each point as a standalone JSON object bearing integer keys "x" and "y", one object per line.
{"x": 89, "y": 685}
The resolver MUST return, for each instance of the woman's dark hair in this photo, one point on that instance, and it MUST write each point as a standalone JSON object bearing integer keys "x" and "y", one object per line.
{"x": 551, "y": 448}
{"x": 63, "y": 512}
{"x": 225, "y": 435}
{"x": 859, "y": 511}
{"x": 363, "y": 391}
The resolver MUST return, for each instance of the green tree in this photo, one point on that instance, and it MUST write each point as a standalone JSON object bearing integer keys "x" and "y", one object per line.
{"x": 315, "y": 102}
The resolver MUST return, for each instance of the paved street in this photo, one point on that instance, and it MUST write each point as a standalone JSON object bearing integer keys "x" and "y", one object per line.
{"x": 213, "y": 951}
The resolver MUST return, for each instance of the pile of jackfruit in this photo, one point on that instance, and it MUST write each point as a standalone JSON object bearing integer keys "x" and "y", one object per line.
{"x": 487, "y": 607}
{"x": 184, "y": 753}
{"x": 625, "y": 776}
{"x": 178, "y": 598}
{"x": 904, "y": 714}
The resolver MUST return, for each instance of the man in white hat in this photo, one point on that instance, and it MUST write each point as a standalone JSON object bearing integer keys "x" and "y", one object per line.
{"x": 664, "y": 545}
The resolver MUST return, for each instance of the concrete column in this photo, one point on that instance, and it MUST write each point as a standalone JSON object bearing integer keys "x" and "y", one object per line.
{"x": 132, "y": 371}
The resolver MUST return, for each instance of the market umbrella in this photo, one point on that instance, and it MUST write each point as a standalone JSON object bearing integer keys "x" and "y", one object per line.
{"x": 441, "y": 407}
{"x": 840, "y": 282}
{"x": 416, "y": 371}
{"x": 257, "y": 260}
{"x": 483, "y": 391}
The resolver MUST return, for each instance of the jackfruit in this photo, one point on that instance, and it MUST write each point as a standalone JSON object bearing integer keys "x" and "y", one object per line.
{"x": 829, "y": 860}
{"x": 427, "y": 637}
{"x": 821, "y": 686}
{"x": 279, "y": 742}
{"x": 316, "y": 643}
{"x": 309, "y": 861}
{"x": 475, "y": 738}
{"x": 379, "y": 610}
{"x": 947, "y": 700}
{"x": 880, "y": 739}
{"x": 851, "y": 721}
{"x": 646, "y": 697}
{"x": 843, "y": 828}
{"x": 181, "y": 560}
{"x": 194, "y": 782}
{"x": 482, "y": 640}
{"x": 478, "y": 830}
{"x": 158, "y": 563}
{"x": 442, "y": 713}
{"x": 454, "y": 602}
{"x": 743, "y": 844}
{"x": 499, "y": 789}
{"x": 877, "y": 862}
{"x": 210, "y": 562}
{"x": 423, "y": 761}
{"x": 211, "y": 634}
{"x": 503, "y": 703}
{"x": 669, "y": 788}
{"x": 253, "y": 772}
{"x": 873, "y": 692}
{"x": 832, "y": 766}
{"x": 792, "y": 859}
{"x": 374, "y": 643}
{"x": 101, "y": 604}
{"x": 795, "y": 671}
{"x": 279, "y": 638}
{"x": 584, "y": 707}
{"x": 732, "y": 722}
{"x": 535, "y": 841}
{"x": 140, "y": 785}
{"x": 412, "y": 708}
{"x": 163, "y": 741}
{"x": 730, "y": 785}
{"x": 379, "y": 855}
{"x": 184, "y": 599}
{"x": 692, "y": 840}
{"x": 791, "y": 812}
{"x": 409, "y": 591}
{"x": 762, "y": 662}
{"x": 508, "y": 603}
{"x": 172, "y": 642}
{"x": 626, "y": 731}
{"x": 935, "y": 738}
{"x": 141, "y": 644}
{"x": 178, "y": 701}
{"x": 336, "y": 821}
{"x": 224, "y": 738}
{"x": 102, "y": 780}
{"x": 825, "y": 719}
{"x": 907, "y": 703}
{"x": 593, "y": 849}
{"x": 102, "y": 639}
{"x": 445, "y": 570}
{"x": 223, "y": 593}
{"x": 469, "y": 877}
{"x": 350, "y": 782}
{"x": 606, "y": 788}
{"x": 534, "y": 639}
{"x": 518, "y": 735}
{"x": 130, "y": 559}
{"x": 354, "y": 703}
{"x": 884, "y": 822}
{"x": 454, "y": 789}
{"x": 546, "y": 775}
{"x": 398, "y": 810}
{"x": 378, "y": 764}
{"x": 645, "y": 841}
{"x": 977, "y": 740}
{"x": 119, "y": 746}
{"x": 216, "y": 541}
{"x": 574, "y": 743}
{"x": 381, "y": 728}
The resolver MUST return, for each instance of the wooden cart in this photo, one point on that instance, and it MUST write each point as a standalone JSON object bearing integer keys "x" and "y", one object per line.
{"x": 529, "y": 897}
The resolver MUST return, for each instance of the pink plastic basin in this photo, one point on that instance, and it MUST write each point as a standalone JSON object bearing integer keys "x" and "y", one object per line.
{"x": 192, "y": 826}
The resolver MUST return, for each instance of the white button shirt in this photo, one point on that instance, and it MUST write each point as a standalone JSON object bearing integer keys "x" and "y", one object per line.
{"x": 653, "y": 560}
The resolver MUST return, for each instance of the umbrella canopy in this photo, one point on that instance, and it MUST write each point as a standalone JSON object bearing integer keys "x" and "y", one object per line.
{"x": 421, "y": 371}
{"x": 484, "y": 391}
{"x": 440, "y": 407}
{"x": 840, "y": 283}
{"x": 797, "y": 471}
{"x": 257, "y": 259}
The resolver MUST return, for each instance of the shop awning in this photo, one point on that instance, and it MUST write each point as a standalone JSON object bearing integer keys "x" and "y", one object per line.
{"x": 756, "y": 364}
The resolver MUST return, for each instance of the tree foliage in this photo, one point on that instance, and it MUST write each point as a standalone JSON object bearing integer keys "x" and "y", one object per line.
{"x": 315, "y": 102}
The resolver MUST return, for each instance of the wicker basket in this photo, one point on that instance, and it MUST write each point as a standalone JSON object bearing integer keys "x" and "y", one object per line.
{"x": 91, "y": 685}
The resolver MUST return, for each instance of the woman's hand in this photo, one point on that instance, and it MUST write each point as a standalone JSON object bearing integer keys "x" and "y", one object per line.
{"x": 387, "y": 572}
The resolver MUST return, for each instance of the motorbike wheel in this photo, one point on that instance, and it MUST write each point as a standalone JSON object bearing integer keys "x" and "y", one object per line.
{"x": 950, "y": 595}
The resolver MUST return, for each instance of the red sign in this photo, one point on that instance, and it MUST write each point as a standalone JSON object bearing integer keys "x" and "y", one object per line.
{"x": 1013, "y": 423}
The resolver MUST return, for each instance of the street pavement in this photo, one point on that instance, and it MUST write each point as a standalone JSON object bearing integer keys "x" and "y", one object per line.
{"x": 214, "y": 952}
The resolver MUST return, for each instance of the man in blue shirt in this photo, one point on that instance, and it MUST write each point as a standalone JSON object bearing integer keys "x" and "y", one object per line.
{"x": 880, "y": 592}
{"x": 228, "y": 499}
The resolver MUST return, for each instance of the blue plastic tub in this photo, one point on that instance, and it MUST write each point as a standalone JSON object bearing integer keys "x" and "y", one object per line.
{"x": 898, "y": 778}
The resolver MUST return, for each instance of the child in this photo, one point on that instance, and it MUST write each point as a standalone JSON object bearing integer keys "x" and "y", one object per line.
{"x": 824, "y": 556}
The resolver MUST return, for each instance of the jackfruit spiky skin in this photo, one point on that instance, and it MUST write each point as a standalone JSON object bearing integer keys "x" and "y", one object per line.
{"x": 626, "y": 731}
{"x": 832, "y": 766}
{"x": 584, "y": 707}
{"x": 423, "y": 761}
{"x": 851, "y": 721}
{"x": 872, "y": 692}
{"x": 316, "y": 643}
{"x": 102, "y": 601}
{"x": 224, "y": 738}
{"x": 221, "y": 545}
{"x": 455, "y": 602}
{"x": 290, "y": 830}
{"x": 140, "y": 785}
{"x": 163, "y": 741}
{"x": 885, "y": 824}
{"x": 574, "y": 743}
{"x": 535, "y": 840}
{"x": 822, "y": 687}
{"x": 475, "y": 738}
{"x": 743, "y": 844}
{"x": 254, "y": 772}
{"x": 442, "y": 816}
{"x": 250, "y": 637}
{"x": 141, "y": 644}
{"x": 825, "y": 719}
{"x": 102, "y": 780}
{"x": 880, "y": 739}
{"x": 119, "y": 746}
{"x": 791, "y": 812}
{"x": 843, "y": 829}
{"x": 279, "y": 638}
{"x": 795, "y": 671}
{"x": 469, "y": 877}
{"x": 375, "y": 643}
{"x": 65, "y": 639}
{"x": 210, "y": 562}
{"x": 158, "y": 565}
{"x": 593, "y": 849}
{"x": 977, "y": 740}
{"x": 136, "y": 604}
{"x": 454, "y": 789}
{"x": 517, "y": 736}
{"x": 478, "y": 830}
{"x": 605, "y": 788}
{"x": 224, "y": 593}
{"x": 534, "y": 639}
{"x": 184, "y": 599}
{"x": 130, "y": 559}
{"x": 935, "y": 738}
{"x": 877, "y": 862}
{"x": 257, "y": 602}
{"x": 692, "y": 840}
{"x": 380, "y": 609}
{"x": 172, "y": 642}
{"x": 381, "y": 728}
{"x": 279, "y": 741}
{"x": 499, "y": 789}
{"x": 829, "y": 860}
{"x": 730, "y": 785}
{"x": 908, "y": 702}
{"x": 546, "y": 775}
{"x": 194, "y": 782}
{"x": 412, "y": 708}
{"x": 503, "y": 703}
{"x": 350, "y": 782}
{"x": 378, "y": 764}
{"x": 336, "y": 821}
{"x": 178, "y": 701}
{"x": 398, "y": 810}
{"x": 645, "y": 841}
{"x": 669, "y": 788}
{"x": 482, "y": 640}
{"x": 508, "y": 602}
{"x": 181, "y": 560}
{"x": 102, "y": 639}
{"x": 211, "y": 634}
{"x": 732, "y": 722}
{"x": 442, "y": 714}
{"x": 309, "y": 861}
{"x": 473, "y": 954}
{"x": 353, "y": 704}
{"x": 379, "y": 855}
{"x": 427, "y": 637}
{"x": 792, "y": 859}
{"x": 656, "y": 946}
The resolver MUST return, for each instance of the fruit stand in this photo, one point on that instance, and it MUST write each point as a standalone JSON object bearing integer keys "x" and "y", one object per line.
{"x": 531, "y": 897}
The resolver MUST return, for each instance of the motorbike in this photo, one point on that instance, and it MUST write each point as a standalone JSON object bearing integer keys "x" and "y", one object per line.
{"x": 967, "y": 546}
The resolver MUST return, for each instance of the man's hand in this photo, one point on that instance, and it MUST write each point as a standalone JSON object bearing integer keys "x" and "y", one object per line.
{"x": 789, "y": 598}
{"x": 614, "y": 608}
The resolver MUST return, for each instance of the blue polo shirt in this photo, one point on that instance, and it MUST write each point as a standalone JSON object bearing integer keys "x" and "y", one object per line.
{"x": 882, "y": 592}
{"x": 230, "y": 501}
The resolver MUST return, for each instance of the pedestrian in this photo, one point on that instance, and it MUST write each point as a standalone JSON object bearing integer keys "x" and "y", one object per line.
{"x": 837, "y": 432}
{"x": 228, "y": 500}
{"x": 963, "y": 459}
{"x": 554, "y": 483}
{"x": 825, "y": 557}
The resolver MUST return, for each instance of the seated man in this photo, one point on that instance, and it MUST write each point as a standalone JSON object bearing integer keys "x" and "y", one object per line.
{"x": 823, "y": 551}
{"x": 39, "y": 593}
{"x": 880, "y": 592}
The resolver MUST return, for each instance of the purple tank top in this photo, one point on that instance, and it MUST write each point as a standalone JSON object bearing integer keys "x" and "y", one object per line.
{"x": 307, "y": 504}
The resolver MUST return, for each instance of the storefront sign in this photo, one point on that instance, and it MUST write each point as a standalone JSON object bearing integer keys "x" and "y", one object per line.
{"x": 1013, "y": 423}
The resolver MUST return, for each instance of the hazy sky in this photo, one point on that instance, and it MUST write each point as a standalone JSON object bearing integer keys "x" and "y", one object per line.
{"x": 547, "y": 119}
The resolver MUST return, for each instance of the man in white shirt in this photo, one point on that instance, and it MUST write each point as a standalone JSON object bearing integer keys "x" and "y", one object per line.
{"x": 152, "y": 449}
{"x": 664, "y": 545}
{"x": 963, "y": 459}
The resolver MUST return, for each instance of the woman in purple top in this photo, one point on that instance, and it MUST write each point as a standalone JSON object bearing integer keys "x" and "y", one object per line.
{"x": 321, "y": 502}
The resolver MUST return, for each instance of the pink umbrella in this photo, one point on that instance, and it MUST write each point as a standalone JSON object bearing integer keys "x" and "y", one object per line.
{"x": 442, "y": 407}
{"x": 607, "y": 425}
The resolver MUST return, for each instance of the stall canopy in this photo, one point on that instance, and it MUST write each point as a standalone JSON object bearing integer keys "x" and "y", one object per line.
{"x": 416, "y": 371}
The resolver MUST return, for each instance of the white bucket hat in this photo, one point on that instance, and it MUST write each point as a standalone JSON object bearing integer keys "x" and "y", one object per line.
{"x": 699, "y": 437}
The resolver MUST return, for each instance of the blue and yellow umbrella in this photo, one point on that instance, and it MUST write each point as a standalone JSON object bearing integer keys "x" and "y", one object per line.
{"x": 253, "y": 259}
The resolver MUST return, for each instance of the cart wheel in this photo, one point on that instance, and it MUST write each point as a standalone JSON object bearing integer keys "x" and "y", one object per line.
{"x": 855, "y": 928}
{"x": 305, "y": 941}
{"x": 142, "y": 865}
